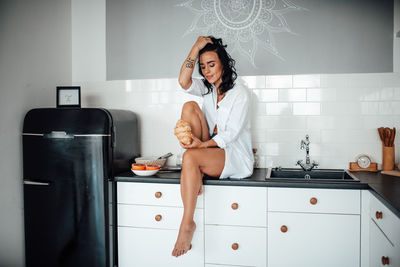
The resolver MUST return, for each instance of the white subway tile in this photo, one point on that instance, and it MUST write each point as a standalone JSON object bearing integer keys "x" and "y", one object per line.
{"x": 365, "y": 80}
{"x": 306, "y": 81}
{"x": 306, "y": 109}
{"x": 334, "y": 80}
{"x": 321, "y": 122}
{"x": 386, "y": 93}
{"x": 279, "y": 81}
{"x": 349, "y": 136}
{"x": 292, "y": 95}
{"x": 284, "y": 162}
{"x": 258, "y": 109}
{"x": 389, "y": 108}
{"x": 321, "y": 94}
{"x": 374, "y": 122}
{"x": 268, "y": 95}
{"x": 390, "y": 79}
{"x": 369, "y": 94}
{"x": 258, "y": 136}
{"x": 253, "y": 81}
{"x": 285, "y": 122}
{"x": 342, "y": 119}
{"x": 292, "y": 136}
{"x": 279, "y": 108}
{"x": 370, "y": 108}
{"x": 340, "y": 108}
{"x": 396, "y": 93}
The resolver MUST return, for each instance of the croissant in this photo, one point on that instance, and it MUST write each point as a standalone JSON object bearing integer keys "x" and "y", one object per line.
{"x": 183, "y": 132}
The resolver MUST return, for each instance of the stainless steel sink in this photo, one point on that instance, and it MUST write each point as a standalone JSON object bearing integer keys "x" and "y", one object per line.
{"x": 315, "y": 174}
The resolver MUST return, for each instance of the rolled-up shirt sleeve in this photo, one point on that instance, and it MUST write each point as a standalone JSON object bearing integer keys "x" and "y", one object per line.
{"x": 197, "y": 87}
{"x": 236, "y": 121}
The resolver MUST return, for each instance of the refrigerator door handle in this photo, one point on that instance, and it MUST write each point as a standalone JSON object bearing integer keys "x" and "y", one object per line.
{"x": 58, "y": 134}
{"x": 29, "y": 182}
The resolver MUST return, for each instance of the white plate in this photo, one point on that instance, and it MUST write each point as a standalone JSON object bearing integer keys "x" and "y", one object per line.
{"x": 144, "y": 172}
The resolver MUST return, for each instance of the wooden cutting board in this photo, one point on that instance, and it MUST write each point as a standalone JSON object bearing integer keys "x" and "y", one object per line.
{"x": 393, "y": 173}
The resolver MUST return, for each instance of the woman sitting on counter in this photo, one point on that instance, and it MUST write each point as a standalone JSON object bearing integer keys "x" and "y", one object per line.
{"x": 220, "y": 141}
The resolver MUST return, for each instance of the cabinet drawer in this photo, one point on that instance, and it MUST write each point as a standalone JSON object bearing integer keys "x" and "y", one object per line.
{"x": 153, "y": 247}
{"x": 314, "y": 200}
{"x": 388, "y": 221}
{"x": 381, "y": 247}
{"x": 251, "y": 241}
{"x": 313, "y": 240}
{"x": 235, "y": 205}
{"x": 152, "y": 194}
{"x": 145, "y": 216}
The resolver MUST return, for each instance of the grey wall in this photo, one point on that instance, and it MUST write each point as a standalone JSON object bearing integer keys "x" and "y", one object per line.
{"x": 150, "y": 39}
{"x": 35, "y": 57}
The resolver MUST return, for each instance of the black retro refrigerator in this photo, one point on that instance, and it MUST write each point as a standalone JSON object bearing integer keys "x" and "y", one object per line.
{"x": 70, "y": 156}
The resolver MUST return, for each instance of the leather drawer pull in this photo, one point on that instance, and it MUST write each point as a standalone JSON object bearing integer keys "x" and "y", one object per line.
{"x": 379, "y": 215}
{"x": 158, "y": 217}
{"x": 235, "y": 246}
{"x": 385, "y": 260}
{"x": 313, "y": 201}
{"x": 284, "y": 228}
{"x": 235, "y": 206}
{"x": 158, "y": 194}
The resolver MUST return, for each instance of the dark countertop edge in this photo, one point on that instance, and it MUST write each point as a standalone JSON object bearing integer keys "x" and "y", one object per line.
{"x": 374, "y": 182}
{"x": 245, "y": 182}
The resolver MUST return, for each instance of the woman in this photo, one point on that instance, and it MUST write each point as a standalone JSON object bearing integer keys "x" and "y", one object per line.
{"x": 224, "y": 117}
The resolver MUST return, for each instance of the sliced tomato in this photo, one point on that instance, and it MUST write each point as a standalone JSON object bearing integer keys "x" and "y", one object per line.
{"x": 150, "y": 167}
{"x": 138, "y": 166}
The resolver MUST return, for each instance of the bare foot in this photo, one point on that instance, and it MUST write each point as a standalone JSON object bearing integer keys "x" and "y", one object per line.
{"x": 184, "y": 239}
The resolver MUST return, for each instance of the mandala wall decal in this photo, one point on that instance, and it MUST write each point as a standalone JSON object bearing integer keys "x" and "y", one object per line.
{"x": 246, "y": 25}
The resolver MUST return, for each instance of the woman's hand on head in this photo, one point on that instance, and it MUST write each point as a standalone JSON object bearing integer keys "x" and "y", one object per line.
{"x": 202, "y": 41}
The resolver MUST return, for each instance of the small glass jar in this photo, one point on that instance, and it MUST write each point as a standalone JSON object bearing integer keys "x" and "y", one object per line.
{"x": 256, "y": 158}
{"x": 179, "y": 157}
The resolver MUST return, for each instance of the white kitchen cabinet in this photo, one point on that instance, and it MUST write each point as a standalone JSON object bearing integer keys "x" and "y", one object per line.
{"x": 313, "y": 239}
{"x": 153, "y": 247}
{"x": 244, "y": 246}
{"x": 382, "y": 251}
{"x": 235, "y": 225}
{"x": 152, "y": 194}
{"x": 242, "y": 226}
{"x": 149, "y": 217}
{"x": 386, "y": 220}
{"x": 313, "y": 227}
{"x": 384, "y": 235}
{"x": 236, "y": 205}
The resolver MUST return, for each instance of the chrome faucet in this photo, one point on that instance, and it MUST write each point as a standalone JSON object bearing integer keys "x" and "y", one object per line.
{"x": 308, "y": 166}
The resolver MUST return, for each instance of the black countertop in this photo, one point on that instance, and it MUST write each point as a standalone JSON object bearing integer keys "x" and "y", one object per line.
{"x": 386, "y": 188}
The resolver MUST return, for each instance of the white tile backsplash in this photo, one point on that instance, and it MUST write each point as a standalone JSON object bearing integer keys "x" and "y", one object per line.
{"x": 340, "y": 113}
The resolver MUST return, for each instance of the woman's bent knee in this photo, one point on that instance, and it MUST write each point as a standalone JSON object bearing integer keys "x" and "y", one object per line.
{"x": 190, "y": 106}
{"x": 189, "y": 158}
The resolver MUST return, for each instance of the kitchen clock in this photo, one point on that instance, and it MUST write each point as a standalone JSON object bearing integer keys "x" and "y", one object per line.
{"x": 68, "y": 96}
{"x": 363, "y": 163}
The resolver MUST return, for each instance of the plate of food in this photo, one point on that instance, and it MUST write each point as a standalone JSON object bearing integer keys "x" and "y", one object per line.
{"x": 145, "y": 169}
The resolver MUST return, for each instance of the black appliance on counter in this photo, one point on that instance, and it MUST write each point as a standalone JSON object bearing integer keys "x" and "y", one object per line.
{"x": 70, "y": 157}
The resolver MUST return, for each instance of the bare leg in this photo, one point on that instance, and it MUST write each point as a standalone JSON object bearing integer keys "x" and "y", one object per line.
{"x": 192, "y": 113}
{"x": 210, "y": 161}
{"x": 195, "y": 162}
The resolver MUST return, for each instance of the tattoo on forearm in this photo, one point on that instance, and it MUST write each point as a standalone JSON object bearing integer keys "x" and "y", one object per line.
{"x": 189, "y": 63}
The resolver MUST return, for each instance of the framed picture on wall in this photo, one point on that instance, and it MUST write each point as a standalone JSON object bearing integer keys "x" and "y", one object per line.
{"x": 68, "y": 97}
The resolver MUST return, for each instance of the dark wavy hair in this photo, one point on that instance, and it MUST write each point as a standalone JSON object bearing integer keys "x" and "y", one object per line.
{"x": 228, "y": 65}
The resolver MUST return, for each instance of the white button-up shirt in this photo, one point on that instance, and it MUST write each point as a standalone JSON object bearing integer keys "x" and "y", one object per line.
{"x": 232, "y": 118}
